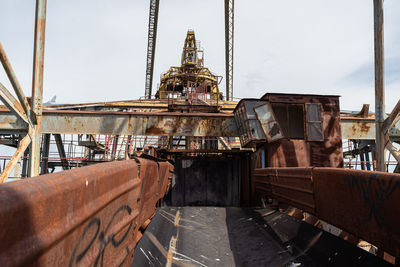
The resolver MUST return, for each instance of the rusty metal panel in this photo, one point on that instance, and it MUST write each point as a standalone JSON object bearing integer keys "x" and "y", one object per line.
{"x": 150, "y": 179}
{"x": 86, "y": 216}
{"x": 165, "y": 171}
{"x": 358, "y": 128}
{"x": 365, "y": 204}
{"x": 9, "y": 123}
{"x": 290, "y": 185}
{"x": 288, "y": 153}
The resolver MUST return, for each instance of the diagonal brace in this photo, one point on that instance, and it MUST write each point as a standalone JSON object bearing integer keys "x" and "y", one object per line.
{"x": 14, "y": 81}
{"x": 12, "y": 104}
{"x": 392, "y": 119}
{"x": 15, "y": 158}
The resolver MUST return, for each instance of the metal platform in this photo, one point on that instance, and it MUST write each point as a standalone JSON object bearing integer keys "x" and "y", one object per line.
{"x": 211, "y": 236}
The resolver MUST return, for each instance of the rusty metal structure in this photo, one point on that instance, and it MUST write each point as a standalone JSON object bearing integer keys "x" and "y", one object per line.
{"x": 100, "y": 223}
{"x": 115, "y": 162}
{"x": 151, "y": 45}
{"x": 191, "y": 79}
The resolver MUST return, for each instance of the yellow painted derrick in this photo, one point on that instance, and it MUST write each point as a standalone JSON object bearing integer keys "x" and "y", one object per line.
{"x": 191, "y": 77}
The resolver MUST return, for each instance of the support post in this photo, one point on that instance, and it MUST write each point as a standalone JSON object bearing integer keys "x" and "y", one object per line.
{"x": 37, "y": 85}
{"x": 25, "y": 170}
{"x": 379, "y": 85}
{"x": 61, "y": 151}
{"x": 45, "y": 154}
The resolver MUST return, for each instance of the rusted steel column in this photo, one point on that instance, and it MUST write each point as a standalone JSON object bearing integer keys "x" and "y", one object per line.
{"x": 45, "y": 154}
{"x": 61, "y": 152}
{"x": 379, "y": 85}
{"x": 15, "y": 158}
{"x": 37, "y": 85}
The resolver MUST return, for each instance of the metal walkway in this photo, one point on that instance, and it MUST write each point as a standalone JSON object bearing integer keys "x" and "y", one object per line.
{"x": 217, "y": 236}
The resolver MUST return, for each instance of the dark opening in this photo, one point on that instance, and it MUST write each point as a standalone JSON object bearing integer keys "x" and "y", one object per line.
{"x": 291, "y": 119}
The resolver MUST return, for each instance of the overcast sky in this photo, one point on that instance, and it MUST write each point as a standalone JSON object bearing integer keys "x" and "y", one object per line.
{"x": 95, "y": 49}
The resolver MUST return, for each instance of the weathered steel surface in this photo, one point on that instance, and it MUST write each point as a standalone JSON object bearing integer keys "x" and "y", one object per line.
{"x": 290, "y": 185}
{"x": 365, "y": 204}
{"x": 149, "y": 177}
{"x": 86, "y": 216}
{"x": 142, "y": 123}
{"x": 358, "y": 128}
{"x": 165, "y": 171}
{"x": 362, "y": 203}
{"x": 379, "y": 85}
{"x": 139, "y": 123}
{"x": 37, "y": 87}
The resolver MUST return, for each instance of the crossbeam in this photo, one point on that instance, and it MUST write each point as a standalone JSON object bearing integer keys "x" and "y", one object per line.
{"x": 162, "y": 124}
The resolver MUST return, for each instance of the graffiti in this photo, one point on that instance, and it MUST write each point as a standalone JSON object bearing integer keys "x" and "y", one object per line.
{"x": 375, "y": 190}
{"x": 104, "y": 237}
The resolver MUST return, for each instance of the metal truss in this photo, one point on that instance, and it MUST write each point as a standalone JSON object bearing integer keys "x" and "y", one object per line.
{"x": 229, "y": 30}
{"x": 151, "y": 46}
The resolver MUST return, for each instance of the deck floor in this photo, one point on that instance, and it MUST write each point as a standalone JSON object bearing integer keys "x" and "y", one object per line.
{"x": 232, "y": 236}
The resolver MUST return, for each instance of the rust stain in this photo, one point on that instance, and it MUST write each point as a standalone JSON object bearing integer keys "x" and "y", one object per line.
{"x": 362, "y": 203}
{"x": 92, "y": 214}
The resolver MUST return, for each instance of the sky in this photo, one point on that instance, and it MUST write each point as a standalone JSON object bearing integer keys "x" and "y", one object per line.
{"x": 96, "y": 49}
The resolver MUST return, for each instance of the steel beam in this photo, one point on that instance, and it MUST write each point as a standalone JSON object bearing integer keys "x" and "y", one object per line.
{"x": 379, "y": 85}
{"x": 37, "y": 85}
{"x": 151, "y": 46}
{"x": 139, "y": 123}
{"x": 162, "y": 124}
{"x": 229, "y": 31}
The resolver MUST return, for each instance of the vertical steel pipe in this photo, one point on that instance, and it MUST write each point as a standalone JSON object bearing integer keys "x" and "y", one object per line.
{"x": 379, "y": 85}
{"x": 37, "y": 84}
